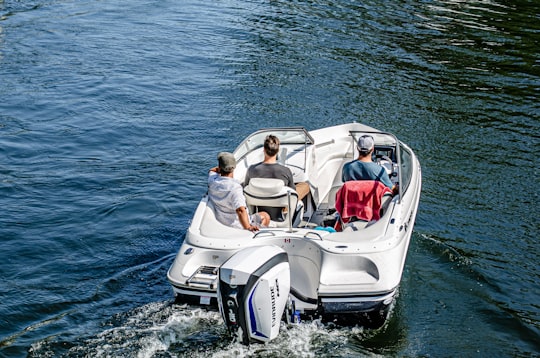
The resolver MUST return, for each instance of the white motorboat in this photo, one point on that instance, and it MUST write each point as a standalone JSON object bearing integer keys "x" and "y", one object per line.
{"x": 301, "y": 267}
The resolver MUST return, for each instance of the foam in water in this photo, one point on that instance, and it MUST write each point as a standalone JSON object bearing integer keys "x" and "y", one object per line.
{"x": 183, "y": 330}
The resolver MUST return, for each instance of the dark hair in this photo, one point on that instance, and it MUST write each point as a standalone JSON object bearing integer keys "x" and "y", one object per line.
{"x": 364, "y": 153}
{"x": 225, "y": 172}
{"x": 271, "y": 145}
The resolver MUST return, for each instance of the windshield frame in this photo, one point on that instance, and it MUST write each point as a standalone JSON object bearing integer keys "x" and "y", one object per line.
{"x": 286, "y": 135}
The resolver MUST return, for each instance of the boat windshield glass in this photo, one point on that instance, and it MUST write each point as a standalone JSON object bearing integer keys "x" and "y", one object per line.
{"x": 381, "y": 138}
{"x": 295, "y": 135}
{"x": 405, "y": 168}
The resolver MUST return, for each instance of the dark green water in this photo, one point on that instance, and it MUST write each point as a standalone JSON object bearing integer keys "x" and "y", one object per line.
{"x": 112, "y": 111}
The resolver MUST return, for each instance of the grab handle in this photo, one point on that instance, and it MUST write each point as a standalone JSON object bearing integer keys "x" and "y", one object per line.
{"x": 314, "y": 233}
{"x": 264, "y": 232}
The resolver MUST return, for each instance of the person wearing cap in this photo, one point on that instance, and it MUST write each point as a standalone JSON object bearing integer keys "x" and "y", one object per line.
{"x": 270, "y": 168}
{"x": 228, "y": 197}
{"x": 363, "y": 168}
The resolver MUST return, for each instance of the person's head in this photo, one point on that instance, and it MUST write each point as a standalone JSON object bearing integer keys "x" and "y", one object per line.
{"x": 271, "y": 145}
{"x": 226, "y": 162}
{"x": 365, "y": 145}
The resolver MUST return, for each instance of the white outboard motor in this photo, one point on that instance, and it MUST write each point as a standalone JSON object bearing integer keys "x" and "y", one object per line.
{"x": 253, "y": 291}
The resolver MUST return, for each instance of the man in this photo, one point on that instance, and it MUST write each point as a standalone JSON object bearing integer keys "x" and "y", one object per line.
{"x": 228, "y": 197}
{"x": 364, "y": 168}
{"x": 270, "y": 168}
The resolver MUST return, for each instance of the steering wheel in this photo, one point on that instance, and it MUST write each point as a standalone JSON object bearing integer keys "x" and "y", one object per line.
{"x": 385, "y": 162}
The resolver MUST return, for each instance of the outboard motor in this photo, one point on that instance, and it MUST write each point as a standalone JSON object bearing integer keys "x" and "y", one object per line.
{"x": 253, "y": 291}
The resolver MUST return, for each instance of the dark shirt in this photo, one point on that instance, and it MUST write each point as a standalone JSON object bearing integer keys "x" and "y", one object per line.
{"x": 276, "y": 170}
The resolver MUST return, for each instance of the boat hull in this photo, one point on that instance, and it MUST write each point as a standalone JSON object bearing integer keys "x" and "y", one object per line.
{"x": 350, "y": 276}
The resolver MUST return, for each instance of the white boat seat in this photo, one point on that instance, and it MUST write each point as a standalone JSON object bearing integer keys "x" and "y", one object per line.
{"x": 385, "y": 203}
{"x": 265, "y": 187}
{"x": 271, "y": 195}
{"x": 211, "y": 227}
{"x": 355, "y": 225}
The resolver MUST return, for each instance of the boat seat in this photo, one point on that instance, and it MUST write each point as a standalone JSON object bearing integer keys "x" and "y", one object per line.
{"x": 355, "y": 225}
{"x": 271, "y": 195}
{"x": 360, "y": 200}
{"x": 332, "y": 196}
{"x": 385, "y": 202}
{"x": 211, "y": 227}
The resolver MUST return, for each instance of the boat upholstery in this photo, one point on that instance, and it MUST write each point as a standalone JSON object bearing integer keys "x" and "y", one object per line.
{"x": 211, "y": 227}
{"x": 271, "y": 195}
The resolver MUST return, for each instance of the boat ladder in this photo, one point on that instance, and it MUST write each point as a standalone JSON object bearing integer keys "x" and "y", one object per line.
{"x": 205, "y": 277}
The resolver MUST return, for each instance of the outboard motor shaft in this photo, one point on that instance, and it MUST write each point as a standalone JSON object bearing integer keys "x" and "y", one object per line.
{"x": 253, "y": 290}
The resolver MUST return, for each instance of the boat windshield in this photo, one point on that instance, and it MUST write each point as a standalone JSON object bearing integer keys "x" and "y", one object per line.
{"x": 392, "y": 150}
{"x": 381, "y": 138}
{"x": 293, "y": 135}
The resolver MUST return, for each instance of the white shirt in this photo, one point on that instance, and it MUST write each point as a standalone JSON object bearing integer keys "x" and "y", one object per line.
{"x": 227, "y": 195}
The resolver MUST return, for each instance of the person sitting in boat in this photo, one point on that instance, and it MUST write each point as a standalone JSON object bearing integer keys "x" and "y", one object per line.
{"x": 363, "y": 168}
{"x": 270, "y": 168}
{"x": 228, "y": 197}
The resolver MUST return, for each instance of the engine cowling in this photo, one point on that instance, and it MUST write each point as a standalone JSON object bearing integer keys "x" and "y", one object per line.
{"x": 253, "y": 290}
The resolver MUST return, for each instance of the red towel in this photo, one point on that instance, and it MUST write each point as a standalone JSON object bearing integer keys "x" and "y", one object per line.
{"x": 361, "y": 199}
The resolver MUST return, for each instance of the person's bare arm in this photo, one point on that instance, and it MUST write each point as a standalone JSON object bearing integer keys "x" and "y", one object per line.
{"x": 244, "y": 219}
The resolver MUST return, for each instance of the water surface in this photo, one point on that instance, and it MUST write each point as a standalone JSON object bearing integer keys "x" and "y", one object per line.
{"x": 112, "y": 112}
